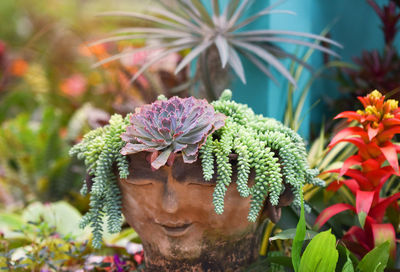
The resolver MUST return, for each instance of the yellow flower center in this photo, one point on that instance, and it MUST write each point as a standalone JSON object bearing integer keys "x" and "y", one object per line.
{"x": 393, "y": 104}
{"x": 375, "y": 94}
{"x": 372, "y": 110}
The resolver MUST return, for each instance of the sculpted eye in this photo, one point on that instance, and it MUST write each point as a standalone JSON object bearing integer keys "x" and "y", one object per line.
{"x": 205, "y": 184}
{"x": 139, "y": 182}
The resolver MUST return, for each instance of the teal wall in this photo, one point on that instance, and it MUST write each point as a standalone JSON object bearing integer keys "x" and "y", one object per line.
{"x": 357, "y": 29}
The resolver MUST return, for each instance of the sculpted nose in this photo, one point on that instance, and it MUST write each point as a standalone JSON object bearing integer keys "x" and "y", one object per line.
{"x": 169, "y": 199}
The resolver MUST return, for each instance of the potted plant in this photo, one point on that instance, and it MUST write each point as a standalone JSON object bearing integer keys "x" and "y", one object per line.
{"x": 190, "y": 213}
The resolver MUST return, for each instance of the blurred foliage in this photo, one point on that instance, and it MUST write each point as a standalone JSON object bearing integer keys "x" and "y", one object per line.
{"x": 46, "y": 236}
{"x": 34, "y": 157}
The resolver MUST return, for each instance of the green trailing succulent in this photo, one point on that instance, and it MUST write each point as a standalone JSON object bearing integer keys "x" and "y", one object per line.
{"x": 276, "y": 153}
{"x": 100, "y": 150}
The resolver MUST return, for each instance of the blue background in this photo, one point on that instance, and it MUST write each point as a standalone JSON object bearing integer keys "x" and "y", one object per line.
{"x": 356, "y": 28}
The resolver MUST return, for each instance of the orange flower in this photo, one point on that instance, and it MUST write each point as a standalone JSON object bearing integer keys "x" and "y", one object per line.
{"x": 18, "y": 67}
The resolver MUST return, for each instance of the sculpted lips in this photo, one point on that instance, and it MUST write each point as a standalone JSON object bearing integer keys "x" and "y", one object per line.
{"x": 174, "y": 229}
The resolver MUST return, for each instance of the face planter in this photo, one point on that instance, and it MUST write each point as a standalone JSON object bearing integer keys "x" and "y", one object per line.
{"x": 171, "y": 209}
{"x": 195, "y": 180}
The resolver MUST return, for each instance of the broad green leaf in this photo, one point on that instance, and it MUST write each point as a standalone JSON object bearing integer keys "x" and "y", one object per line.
{"x": 299, "y": 237}
{"x": 348, "y": 265}
{"x": 321, "y": 254}
{"x": 122, "y": 238}
{"x": 375, "y": 260}
{"x": 60, "y": 214}
{"x": 290, "y": 234}
{"x": 9, "y": 223}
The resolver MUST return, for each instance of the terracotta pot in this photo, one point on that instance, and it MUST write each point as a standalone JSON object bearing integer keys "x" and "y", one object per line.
{"x": 172, "y": 211}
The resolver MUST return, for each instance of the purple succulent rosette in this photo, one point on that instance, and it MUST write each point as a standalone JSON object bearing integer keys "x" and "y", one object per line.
{"x": 165, "y": 128}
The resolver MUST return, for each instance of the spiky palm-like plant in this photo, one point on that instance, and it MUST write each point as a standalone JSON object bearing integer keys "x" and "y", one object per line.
{"x": 188, "y": 25}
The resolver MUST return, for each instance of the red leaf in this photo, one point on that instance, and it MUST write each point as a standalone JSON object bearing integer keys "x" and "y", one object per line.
{"x": 364, "y": 201}
{"x": 334, "y": 186}
{"x": 362, "y": 181}
{"x": 372, "y": 132}
{"x": 351, "y": 115}
{"x": 388, "y": 134}
{"x": 352, "y": 185}
{"x": 326, "y": 214}
{"x": 379, "y": 176}
{"x": 349, "y": 131}
{"x": 378, "y": 211}
{"x": 391, "y": 122}
{"x": 357, "y": 241}
{"x": 389, "y": 150}
{"x": 383, "y": 233}
{"x": 371, "y": 164}
{"x": 353, "y": 160}
{"x": 363, "y": 204}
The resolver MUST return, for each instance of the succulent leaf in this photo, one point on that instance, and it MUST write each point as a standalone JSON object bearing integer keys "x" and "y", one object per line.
{"x": 169, "y": 127}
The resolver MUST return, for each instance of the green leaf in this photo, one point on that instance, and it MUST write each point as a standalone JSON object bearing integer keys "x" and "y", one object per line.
{"x": 299, "y": 237}
{"x": 60, "y": 214}
{"x": 376, "y": 260}
{"x": 290, "y": 234}
{"x": 348, "y": 265}
{"x": 361, "y": 218}
{"x": 11, "y": 221}
{"x": 321, "y": 253}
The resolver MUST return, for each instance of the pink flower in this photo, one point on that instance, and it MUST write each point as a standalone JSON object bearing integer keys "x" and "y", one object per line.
{"x": 74, "y": 86}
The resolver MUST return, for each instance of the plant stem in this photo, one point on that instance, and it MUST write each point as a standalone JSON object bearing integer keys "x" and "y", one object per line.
{"x": 205, "y": 78}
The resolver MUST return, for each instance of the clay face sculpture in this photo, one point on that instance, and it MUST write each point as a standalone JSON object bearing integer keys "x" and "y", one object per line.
{"x": 172, "y": 211}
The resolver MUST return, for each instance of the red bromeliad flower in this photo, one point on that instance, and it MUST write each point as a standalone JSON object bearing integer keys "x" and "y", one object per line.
{"x": 378, "y": 123}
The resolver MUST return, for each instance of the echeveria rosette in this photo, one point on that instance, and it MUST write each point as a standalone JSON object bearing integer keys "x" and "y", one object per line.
{"x": 165, "y": 128}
